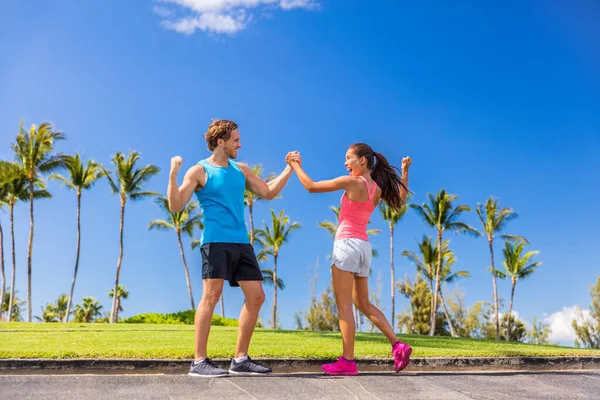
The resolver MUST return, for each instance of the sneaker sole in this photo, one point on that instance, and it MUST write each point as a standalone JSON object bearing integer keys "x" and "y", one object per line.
{"x": 340, "y": 374}
{"x": 206, "y": 376}
{"x": 248, "y": 373}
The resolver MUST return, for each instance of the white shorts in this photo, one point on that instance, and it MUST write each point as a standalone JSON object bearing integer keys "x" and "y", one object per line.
{"x": 352, "y": 255}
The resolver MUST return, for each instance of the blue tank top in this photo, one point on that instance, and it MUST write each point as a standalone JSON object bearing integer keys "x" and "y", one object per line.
{"x": 222, "y": 204}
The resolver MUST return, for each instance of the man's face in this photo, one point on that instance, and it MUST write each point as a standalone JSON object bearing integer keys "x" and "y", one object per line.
{"x": 233, "y": 144}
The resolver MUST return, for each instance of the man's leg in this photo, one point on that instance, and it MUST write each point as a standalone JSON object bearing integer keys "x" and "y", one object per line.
{"x": 254, "y": 299}
{"x": 212, "y": 289}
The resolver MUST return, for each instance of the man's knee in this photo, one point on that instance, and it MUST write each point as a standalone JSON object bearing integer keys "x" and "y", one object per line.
{"x": 255, "y": 299}
{"x": 211, "y": 297}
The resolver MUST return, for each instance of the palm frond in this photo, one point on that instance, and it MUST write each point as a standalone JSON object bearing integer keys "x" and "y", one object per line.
{"x": 515, "y": 238}
{"x": 66, "y": 182}
{"x": 142, "y": 195}
{"x": 160, "y": 225}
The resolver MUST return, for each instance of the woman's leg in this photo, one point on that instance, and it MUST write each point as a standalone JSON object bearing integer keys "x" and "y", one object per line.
{"x": 361, "y": 300}
{"x": 343, "y": 282}
{"x": 400, "y": 351}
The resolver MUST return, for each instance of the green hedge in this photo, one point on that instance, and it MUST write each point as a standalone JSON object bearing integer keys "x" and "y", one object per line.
{"x": 179, "y": 318}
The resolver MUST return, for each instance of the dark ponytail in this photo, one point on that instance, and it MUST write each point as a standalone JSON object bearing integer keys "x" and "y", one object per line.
{"x": 387, "y": 177}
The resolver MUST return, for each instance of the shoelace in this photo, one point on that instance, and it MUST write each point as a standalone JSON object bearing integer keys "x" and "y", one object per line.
{"x": 211, "y": 363}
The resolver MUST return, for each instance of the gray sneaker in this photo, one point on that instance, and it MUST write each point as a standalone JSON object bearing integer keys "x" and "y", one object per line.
{"x": 206, "y": 369}
{"x": 247, "y": 367}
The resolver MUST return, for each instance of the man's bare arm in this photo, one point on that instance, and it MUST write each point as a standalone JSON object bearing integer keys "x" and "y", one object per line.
{"x": 265, "y": 190}
{"x": 179, "y": 196}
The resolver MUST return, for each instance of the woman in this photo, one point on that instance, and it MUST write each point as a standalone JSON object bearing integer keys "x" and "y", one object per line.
{"x": 371, "y": 180}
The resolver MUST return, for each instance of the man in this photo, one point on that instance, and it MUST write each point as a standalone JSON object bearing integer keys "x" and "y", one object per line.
{"x": 219, "y": 184}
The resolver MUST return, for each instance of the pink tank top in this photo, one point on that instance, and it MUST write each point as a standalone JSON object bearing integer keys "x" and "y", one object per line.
{"x": 354, "y": 216}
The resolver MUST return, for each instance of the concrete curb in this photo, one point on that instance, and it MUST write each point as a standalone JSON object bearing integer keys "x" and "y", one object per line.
{"x": 141, "y": 366}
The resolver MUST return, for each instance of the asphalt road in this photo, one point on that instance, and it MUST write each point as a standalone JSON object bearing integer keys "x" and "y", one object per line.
{"x": 476, "y": 385}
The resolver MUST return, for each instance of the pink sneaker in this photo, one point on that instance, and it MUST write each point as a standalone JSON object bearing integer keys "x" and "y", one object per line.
{"x": 340, "y": 367}
{"x": 401, "y": 352}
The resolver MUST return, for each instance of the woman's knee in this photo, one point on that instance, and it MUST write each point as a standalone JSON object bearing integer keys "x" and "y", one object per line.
{"x": 363, "y": 305}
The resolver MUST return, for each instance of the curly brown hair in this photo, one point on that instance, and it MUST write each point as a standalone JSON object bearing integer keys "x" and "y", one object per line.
{"x": 218, "y": 129}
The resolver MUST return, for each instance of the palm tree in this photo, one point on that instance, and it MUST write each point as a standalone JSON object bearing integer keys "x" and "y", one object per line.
{"x": 60, "y": 306}
{"x": 517, "y": 266}
{"x": 6, "y": 175}
{"x": 250, "y": 198}
{"x": 268, "y": 279}
{"x": 425, "y": 264}
{"x": 442, "y": 215}
{"x": 13, "y": 309}
{"x": 131, "y": 182}
{"x": 55, "y": 312}
{"x": 447, "y": 276}
{"x": 122, "y": 293}
{"x": 8, "y": 172}
{"x": 183, "y": 221}
{"x": 48, "y": 314}
{"x": 88, "y": 311}
{"x": 33, "y": 153}
{"x": 272, "y": 239}
{"x": 16, "y": 189}
{"x": 494, "y": 221}
{"x": 81, "y": 177}
{"x": 3, "y": 195}
{"x": 392, "y": 217}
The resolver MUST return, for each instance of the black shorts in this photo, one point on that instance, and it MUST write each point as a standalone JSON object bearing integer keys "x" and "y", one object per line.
{"x": 230, "y": 261}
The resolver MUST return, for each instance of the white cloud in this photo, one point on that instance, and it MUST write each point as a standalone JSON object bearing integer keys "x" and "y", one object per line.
{"x": 291, "y": 4}
{"x": 220, "y": 16}
{"x": 163, "y": 12}
{"x": 210, "y": 22}
{"x": 561, "y": 324}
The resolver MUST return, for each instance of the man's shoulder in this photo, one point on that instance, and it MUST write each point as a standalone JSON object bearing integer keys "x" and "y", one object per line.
{"x": 197, "y": 168}
{"x": 242, "y": 167}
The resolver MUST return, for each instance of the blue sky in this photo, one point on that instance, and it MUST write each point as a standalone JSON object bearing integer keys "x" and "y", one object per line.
{"x": 499, "y": 100}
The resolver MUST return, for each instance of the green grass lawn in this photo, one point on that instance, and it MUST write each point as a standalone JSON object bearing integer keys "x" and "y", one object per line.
{"x": 22, "y": 340}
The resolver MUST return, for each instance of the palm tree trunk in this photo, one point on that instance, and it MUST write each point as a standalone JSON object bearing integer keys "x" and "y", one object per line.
{"x": 414, "y": 314}
{"x": 393, "y": 277}
{"x": 452, "y": 332}
{"x": 431, "y": 287}
{"x": 490, "y": 241}
{"x": 76, "y": 257}
{"x": 274, "y": 310}
{"x": 512, "y": 296}
{"x": 222, "y": 306}
{"x": 115, "y": 311}
{"x": 14, "y": 264}
{"x": 187, "y": 273}
{"x": 3, "y": 288}
{"x": 251, "y": 217}
{"x": 30, "y": 250}
{"x": 437, "y": 284}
